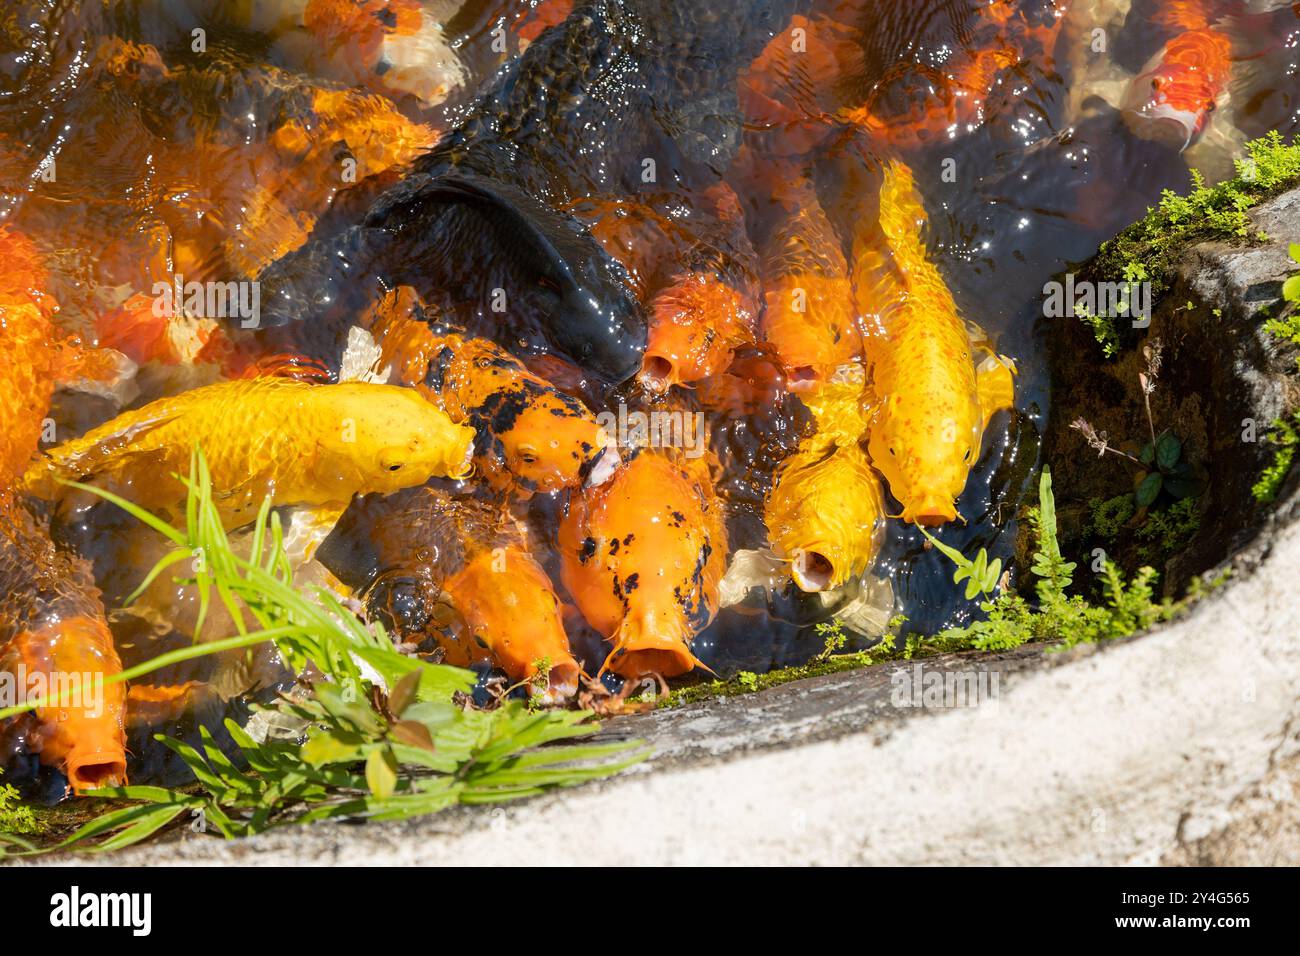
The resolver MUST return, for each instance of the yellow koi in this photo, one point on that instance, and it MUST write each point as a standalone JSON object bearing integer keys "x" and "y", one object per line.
{"x": 305, "y": 444}
{"x": 927, "y": 424}
{"x": 825, "y": 508}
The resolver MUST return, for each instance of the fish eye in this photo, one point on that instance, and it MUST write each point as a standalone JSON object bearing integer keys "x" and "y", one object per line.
{"x": 1156, "y": 83}
{"x": 966, "y": 457}
{"x": 395, "y": 466}
{"x": 893, "y": 451}
{"x": 528, "y": 454}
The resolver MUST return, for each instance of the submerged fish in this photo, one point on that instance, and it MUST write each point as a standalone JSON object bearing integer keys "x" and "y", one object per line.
{"x": 824, "y": 511}
{"x": 937, "y": 89}
{"x": 643, "y": 557}
{"x": 410, "y": 554}
{"x": 808, "y": 318}
{"x": 54, "y": 638}
{"x": 530, "y": 436}
{"x": 305, "y": 444}
{"x": 927, "y": 423}
{"x": 53, "y": 634}
{"x": 1173, "y": 96}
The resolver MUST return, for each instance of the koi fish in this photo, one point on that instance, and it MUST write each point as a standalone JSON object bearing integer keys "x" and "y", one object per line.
{"x": 54, "y": 637}
{"x": 808, "y": 317}
{"x": 926, "y": 425}
{"x": 389, "y": 45}
{"x": 1173, "y": 96}
{"x": 530, "y": 436}
{"x": 307, "y": 444}
{"x": 826, "y": 505}
{"x": 790, "y": 92}
{"x": 955, "y": 96}
{"x": 696, "y": 325}
{"x": 643, "y": 557}
{"x": 36, "y": 356}
{"x": 52, "y": 625}
{"x": 408, "y": 554}
{"x": 693, "y": 273}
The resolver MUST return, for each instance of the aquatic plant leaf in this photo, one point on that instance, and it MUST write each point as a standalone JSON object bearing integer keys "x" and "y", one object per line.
{"x": 477, "y": 756}
{"x": 148, "y": 823}
{"x": 381, "y": 772}
{"x": 1291, "y": 289}
{"x": 403, "y": 693}
{"x": 327, "y": 747}
{"x": 412, "y": 733}
{"x": 1148, "y": 491}
{"x": 151, "y": 816}
{"x": 1169, "y": 448}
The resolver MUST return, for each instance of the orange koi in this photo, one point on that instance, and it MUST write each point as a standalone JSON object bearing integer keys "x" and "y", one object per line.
{"x": 953, "y": 98}
{"x": 145, "y": 332}
{"x": 789, "y": 90}
{"x": 410, "y": 554}
{"x": 546, "y": 14}
{"x": 53, "y": 634}
{"x": 530, "y": 435}
{"x": 54, "y": 638}
{"x": 1172, "y": 97}
{"x": 35, "y": 355}
{"x": 696, "y": 325}
{"x": 808, "y": 317}
{"x": 643, "y": 557}
{"x": 700, "y": 304}
{"x": 927, "y": 424}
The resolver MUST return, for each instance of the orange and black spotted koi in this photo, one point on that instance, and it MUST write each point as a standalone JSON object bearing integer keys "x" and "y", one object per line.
{"x": 529, "y": 435}
{"x": 643, "y": 556}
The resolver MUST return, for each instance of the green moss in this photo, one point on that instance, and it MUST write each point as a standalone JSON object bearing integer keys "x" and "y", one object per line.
{"x": 15, "y": 816}
{"x": 1286, "y": 436}
{"x": 829, "y": 661}
{"x": 1107, "y": 518}
{"x": 1103, "y": 330}
{"x": 1151, "y": 246}
{"x": 1167, "y": 531}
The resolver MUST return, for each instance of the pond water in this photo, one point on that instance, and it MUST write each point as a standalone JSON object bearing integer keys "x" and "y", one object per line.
{"x": 141, "y": 141}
